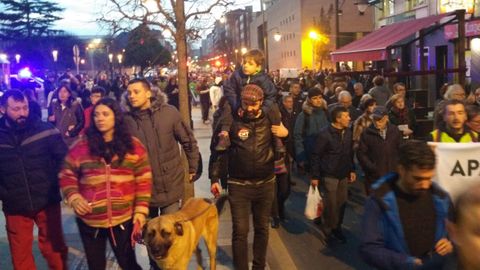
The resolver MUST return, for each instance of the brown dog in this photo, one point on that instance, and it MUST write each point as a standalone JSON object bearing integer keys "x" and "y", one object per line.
{"x": 172, "y": 239}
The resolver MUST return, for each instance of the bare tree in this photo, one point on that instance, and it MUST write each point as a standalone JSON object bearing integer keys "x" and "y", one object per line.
{"x": 168, "y": 15}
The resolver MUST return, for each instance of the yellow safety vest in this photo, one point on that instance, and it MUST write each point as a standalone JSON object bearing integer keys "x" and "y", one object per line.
{"x": 470, "y": 136}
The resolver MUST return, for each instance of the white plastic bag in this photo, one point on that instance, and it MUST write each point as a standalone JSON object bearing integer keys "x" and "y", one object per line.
{"x": 314, "y": 206}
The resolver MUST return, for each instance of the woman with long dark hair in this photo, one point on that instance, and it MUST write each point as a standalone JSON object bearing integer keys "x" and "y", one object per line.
{"x": 106, "y": 179}
{"x": 66, "y": 113}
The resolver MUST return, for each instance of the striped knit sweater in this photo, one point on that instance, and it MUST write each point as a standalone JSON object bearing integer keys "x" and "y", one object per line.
{"x": 115, "y": 191}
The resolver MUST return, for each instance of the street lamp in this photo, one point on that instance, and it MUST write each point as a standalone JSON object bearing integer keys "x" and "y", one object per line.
{"x": 314, "y": 36}
{"x": 17, "y": 57}
{"x": 277, "y": 36}
{"x": 110, "y": 58}
{"x": 55, "y": 57}
{"x": 119, "y": 58}
{"x": 244, "y": 50}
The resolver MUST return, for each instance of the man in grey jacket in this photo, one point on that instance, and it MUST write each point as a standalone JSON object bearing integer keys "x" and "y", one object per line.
{"x": 160, "y": 128}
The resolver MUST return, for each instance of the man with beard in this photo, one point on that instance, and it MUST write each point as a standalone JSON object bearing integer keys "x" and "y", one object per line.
{"x": 403, "y": 226}
{"x": 453, "y": 128}
{"x": 251, "y": 183}
{"x": 31, "y": 153}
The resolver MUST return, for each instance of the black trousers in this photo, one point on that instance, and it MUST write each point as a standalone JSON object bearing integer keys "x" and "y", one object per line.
{"x": 246, "y": 199}
{"x": 282, "y": 191}
{"x": 205, "y": 105}
{"x": 95, "y": 243}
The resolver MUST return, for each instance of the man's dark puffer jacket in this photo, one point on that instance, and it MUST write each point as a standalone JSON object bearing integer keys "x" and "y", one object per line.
{"x": 29, "y": 163}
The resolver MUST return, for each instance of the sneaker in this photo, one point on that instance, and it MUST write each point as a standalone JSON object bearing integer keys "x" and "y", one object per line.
{"x": 337, "y": 233}
{"x": 223, "y": 143}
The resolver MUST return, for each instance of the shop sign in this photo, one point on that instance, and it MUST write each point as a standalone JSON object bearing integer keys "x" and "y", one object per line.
{"x": 452, "y": 5}
{"x": 472, "y": 28}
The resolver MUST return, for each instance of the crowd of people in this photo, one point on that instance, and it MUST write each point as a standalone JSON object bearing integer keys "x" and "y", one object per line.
{"x": 111, "y": 150}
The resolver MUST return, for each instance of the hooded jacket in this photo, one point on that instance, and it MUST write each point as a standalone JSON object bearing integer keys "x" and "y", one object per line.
{"x": 30, "y": 160}
{"x": 161, "y": 129}
{"x": 383, "y": 243}
{"x": 307, "y": 127}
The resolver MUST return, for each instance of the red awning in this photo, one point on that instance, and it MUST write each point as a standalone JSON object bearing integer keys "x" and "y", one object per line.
{"x": 373, "y": 47}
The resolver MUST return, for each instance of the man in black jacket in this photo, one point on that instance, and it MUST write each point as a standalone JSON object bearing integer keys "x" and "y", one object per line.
{"x": 378, "y": 147}
{"x": 31, "y": 153}
{"x": 251, "y": 182}
{"x": 332, "y": 162}
{"x": 160, "y": 128}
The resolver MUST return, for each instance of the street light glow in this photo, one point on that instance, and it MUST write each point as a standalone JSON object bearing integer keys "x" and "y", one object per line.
{"x": 313, "y": 35}
{"x": 82, "y": 61}
{"x": 277, "y": 36}
{"x": 244, "y": 50}
{"x": 55, "y": 55}
{"x": 120, "y": 57}
{"x": 3, "y": 57}
{"x": 110, "y": 57}
{"x": 17, "y": 57}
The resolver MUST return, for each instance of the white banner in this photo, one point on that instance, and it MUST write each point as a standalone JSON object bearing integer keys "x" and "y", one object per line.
{"x": 458, "y": 166}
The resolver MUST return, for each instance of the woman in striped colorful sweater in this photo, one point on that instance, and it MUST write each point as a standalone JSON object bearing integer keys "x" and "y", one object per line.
{"x": 106, "y": 178}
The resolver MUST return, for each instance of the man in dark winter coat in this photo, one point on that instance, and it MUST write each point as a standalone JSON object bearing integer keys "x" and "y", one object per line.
{"x": 404, "y": 222}
{"x": 160, "y": 128}
{"x": 31, "y": 153}
{"x": 332, "y": 162}
{"x": 378, "y": 147}
{"x": 251, "y": 183}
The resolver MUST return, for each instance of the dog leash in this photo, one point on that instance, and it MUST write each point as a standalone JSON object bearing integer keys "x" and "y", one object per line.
{"x": 212, "y": 203}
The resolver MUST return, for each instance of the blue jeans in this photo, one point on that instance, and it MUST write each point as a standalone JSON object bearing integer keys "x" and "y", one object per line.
{"x": 246, "y": 199}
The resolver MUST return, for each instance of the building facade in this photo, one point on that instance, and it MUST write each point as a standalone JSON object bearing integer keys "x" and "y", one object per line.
{"x": 308, "y": 31}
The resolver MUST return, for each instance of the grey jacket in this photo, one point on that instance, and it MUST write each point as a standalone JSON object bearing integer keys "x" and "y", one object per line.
{"x": 160, "y": 129}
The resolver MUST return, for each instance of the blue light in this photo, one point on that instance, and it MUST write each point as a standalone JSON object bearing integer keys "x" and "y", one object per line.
{"x": 24, "y": 73}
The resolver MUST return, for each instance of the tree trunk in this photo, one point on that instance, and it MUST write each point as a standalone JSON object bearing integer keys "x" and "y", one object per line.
{"x": 181, "y": 40}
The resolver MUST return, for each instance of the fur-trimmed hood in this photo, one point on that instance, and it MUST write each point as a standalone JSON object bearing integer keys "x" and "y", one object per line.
{"x": 308, "y": 108}
{"x": 159, "y": 99}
